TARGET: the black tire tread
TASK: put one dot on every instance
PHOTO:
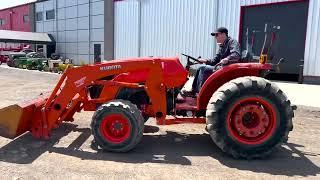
(118, 106)
(219, 101)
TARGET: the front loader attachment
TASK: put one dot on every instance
(17, 119)
(71, 94)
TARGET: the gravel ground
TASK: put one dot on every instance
(166, 152)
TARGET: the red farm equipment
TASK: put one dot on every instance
(246, 115)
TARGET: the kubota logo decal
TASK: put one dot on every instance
(80, 82)
(108, 68)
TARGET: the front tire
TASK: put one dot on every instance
(248, 117)
(117, 126)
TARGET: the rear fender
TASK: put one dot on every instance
(225, 75)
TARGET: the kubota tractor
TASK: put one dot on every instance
(245, 114)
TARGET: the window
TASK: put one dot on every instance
(39, 48)
(50, 14)
(2, 22)
(26, 18)
(39, 16)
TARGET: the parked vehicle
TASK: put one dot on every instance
(3, 59)
(14, 58)
(33, 60)
(27, 51)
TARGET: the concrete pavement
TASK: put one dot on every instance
(301, 94)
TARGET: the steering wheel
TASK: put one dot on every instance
(190, 63)
(196, 61)
(193, 58)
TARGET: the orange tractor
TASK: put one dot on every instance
(245, 114)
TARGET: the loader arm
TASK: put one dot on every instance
(71, 94)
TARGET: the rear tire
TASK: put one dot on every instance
(117, 126)
(248, 117)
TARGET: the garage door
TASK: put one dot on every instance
(290, 19)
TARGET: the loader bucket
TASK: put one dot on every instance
(17, 119)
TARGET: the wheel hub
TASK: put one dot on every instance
(115, 128)
(251, 120)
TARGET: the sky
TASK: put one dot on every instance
(10, 3)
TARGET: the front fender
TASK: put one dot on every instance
(225, 75)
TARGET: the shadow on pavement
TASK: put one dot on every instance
(172, 148)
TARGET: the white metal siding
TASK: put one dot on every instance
(83, 48)
(61, 3)
(312, 52)
(97, 21)
(71, 2)
(180, 26)
(83, 23)
(83, 10)
(229, 16)
(61, 13)
(83, 1)
(48, 26)
(61, 25)
(83, 35)
(39, 26)
(48, 5)
(61, 38)
(126, 29)
(71, 12)
(97, 8)
(71, 36)
(168, 28)
(71, 24)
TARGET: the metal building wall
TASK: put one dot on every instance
(16, 22)
(168, 27)
(126, 29)
(78, 25)
(13, 18)
(229, 13)
(312, 52)
(229, 16)
(48, 26)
